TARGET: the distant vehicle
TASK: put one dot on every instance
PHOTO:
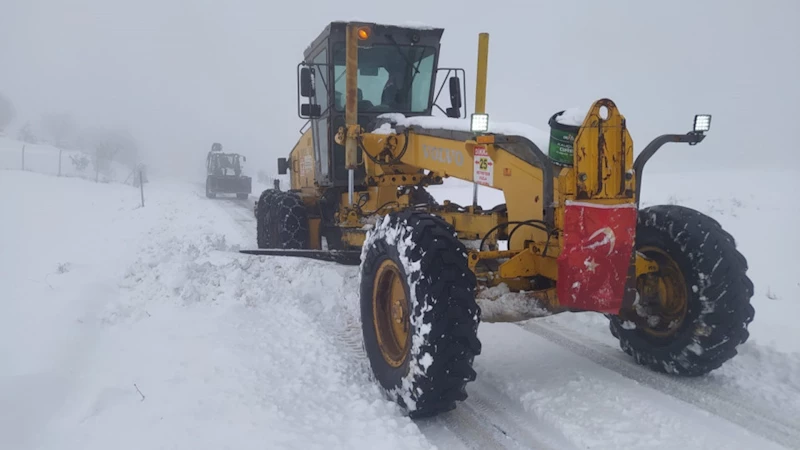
(224, 174)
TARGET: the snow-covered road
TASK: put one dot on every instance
(480, 424)
(127, 327)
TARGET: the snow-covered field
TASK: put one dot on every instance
(43, 158)
(129, 327)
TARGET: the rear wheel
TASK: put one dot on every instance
(690, 316)
(418, 311)
(286, 222)
(242, 196)
(209, 194)
(262, 208)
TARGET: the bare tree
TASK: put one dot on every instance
(108, 146)
(104, 152)
(27, 134)
(59, 128)
(127, 148)
(7, 112)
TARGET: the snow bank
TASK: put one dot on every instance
(499, 304)
(144, 328)
(64, 242)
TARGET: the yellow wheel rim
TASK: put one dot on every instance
(664, 298)
(390, 314)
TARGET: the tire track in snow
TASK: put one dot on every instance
(521, 428)
(241, 211)
(466, 428)
(487, 419)
(752, 418)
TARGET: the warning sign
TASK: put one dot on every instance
(306, 166)
(483, 170)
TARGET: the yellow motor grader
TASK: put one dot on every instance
(569, 237)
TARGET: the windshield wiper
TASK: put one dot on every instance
(405, 57)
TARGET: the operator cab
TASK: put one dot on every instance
(397, 73)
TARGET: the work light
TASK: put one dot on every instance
(702, 123)
(480, 123)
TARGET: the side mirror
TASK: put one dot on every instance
(455, 98)
(306, 87)
(308, 110)
(283, 166)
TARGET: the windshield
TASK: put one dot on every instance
(390, 78)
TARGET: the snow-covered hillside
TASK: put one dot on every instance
(43, 158)
(129, 327)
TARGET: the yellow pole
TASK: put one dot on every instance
(480, 92)
(480, 79)
(351, 106)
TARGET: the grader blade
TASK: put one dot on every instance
(346, 257)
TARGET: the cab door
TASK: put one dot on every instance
(319, 125)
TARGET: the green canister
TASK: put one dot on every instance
(562, 138)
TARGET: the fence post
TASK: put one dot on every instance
(23, 156)
(141, 186)
(59, 162)
(277, 183)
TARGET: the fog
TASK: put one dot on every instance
(181, 75)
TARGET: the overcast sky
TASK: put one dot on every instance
(183, 74)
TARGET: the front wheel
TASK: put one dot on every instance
(418, 312)
(690, 316)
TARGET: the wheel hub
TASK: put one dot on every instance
(398, 313)
(390, 314)
(662, 303)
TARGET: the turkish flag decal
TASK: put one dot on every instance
(593, 266)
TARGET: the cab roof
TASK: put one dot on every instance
(403, 34)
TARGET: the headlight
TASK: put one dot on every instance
(480, 123)
(702, 123)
